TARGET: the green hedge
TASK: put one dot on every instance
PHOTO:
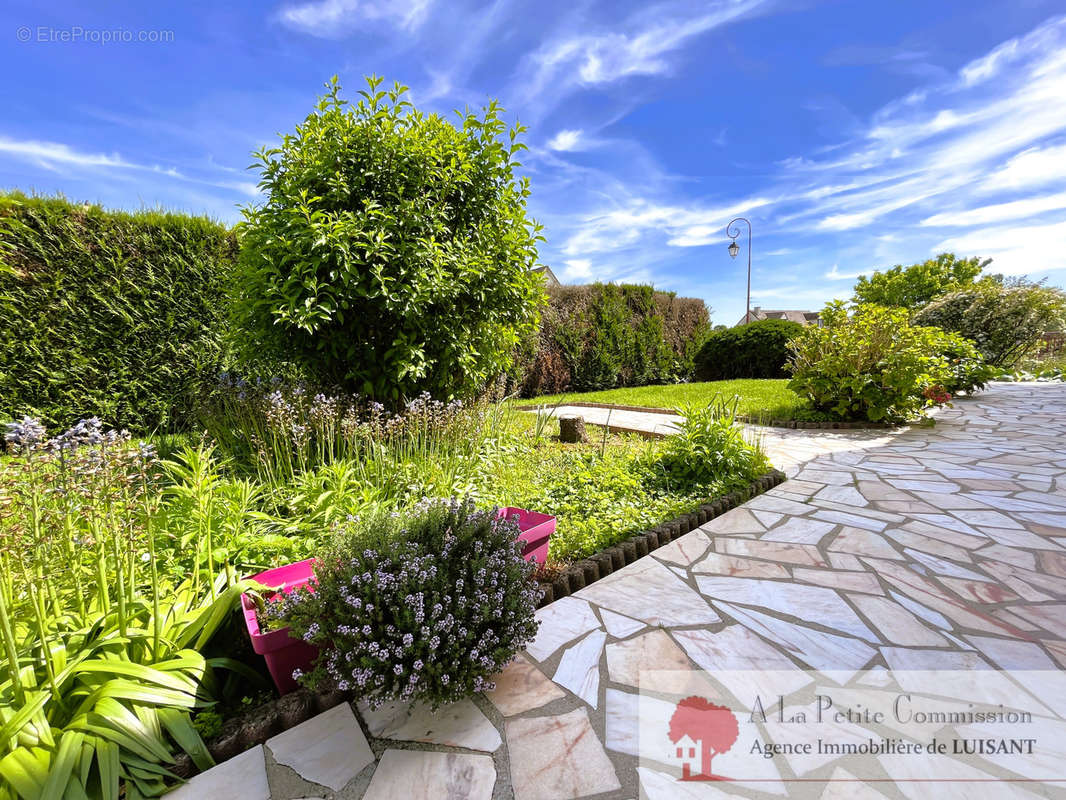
(601, 336)
(112, 314)
(756, 350)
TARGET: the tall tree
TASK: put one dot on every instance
(914, 286)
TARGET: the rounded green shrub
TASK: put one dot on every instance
(755, 350)
(393, 253)
(1005, 320)
(875, 365)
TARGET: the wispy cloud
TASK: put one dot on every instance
(52, 154)
(674, 225)
(836, 275)
(947, 142)
(568, 140)
(999, 212)
(639, 45)
(335, 18)
(1017, 250)
(940, 168)
(59, 157)
(1030, 168)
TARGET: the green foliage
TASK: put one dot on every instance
(427, 605)
(393, 253)
(914, 286)
(605, 335)
(102, 636)
(967, 370)
(874, 365)
(708, 449)
(109, 314)
(1006, 321)
(208, 724)
(325, 457)
(606, 492)
(756, 350)
(599, 499)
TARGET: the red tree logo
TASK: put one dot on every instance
(699, 723)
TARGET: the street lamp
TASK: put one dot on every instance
(732, 231)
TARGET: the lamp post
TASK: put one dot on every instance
(732, 231)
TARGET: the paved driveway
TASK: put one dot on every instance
(930, 548)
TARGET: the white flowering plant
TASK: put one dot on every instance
(427, 605)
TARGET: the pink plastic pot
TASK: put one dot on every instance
(535, 531)
(283, 653)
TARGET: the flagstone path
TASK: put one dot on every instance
(937, 547)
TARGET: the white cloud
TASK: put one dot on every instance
(577, 269)
(619, 228)
(942, 143)
(567, 141)
(995, 62)
(56, 155)
(1018, 250)
(1036, 166)
(334, 18)
(999, 212)
(641, 45)
(836, 275)
(795, 296)
(49, 154)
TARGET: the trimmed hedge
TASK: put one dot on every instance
(755, 350)
(109, 314)
(602, 336)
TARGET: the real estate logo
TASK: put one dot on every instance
(700, 726)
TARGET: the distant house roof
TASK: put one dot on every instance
(550, 281)
(795, 315)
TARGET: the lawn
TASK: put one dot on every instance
(761, 399)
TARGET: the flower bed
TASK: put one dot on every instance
(581, 573)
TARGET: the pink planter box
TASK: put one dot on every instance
(283, 653)
(535, 531)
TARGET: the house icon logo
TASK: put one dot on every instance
(700, 730)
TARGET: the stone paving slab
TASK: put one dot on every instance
(938, 548)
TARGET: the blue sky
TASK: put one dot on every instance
(854, 135)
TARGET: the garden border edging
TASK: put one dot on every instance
(599, 565)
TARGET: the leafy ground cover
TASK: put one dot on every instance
(308, 461)
(761, 399)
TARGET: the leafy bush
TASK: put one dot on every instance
(708, 449)
(914, 286)
(428, 606)
(873, 364)
(109, 314)
(968, 371)
(393, 253)
(756, 350)
(102, 646)
(1006, 321)
(605, 335)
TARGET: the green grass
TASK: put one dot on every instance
(765, 399)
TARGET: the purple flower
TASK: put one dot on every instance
(24, 434)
